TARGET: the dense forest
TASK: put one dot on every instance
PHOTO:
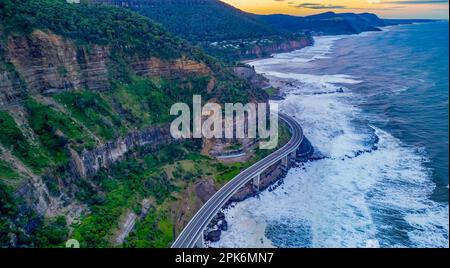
(200, 20)
(220, 29)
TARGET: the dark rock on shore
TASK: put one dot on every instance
(271, 179)
(213, 236)
(215, 221)
(223, 225)
(215, 227)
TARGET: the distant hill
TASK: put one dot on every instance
(200, 20)
(232, 34)
(220, 29)
(330, 23)
(325, 23)
(214, 20)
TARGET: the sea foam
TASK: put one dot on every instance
(370, 190)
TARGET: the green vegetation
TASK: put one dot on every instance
(55, 130)
(93, 111)
(155, 231)
(26, 226)
(62, 71)
(12, 138)
(147, 102)
(124, 186)
(144, 102)
(220, 29)
(89, 23)
(52, 233)
(131, 103)
(40, 233)
(327, 23)
(157, 175)
(126, 33)
(7, 172)
(141, 103)
(271, 91)
(118, 68)
(234, 146)
(250, 48)
(204, 20)
(227, 172)
(8, 209)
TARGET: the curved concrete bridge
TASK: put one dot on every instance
(192, 235)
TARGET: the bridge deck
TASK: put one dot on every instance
(188, 237)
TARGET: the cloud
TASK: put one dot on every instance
(320, 6)
(412, 2)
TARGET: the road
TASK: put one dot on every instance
(189, 236)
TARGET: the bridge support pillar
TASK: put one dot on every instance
(284, 163)
(256, 180)
(200, 243)
(293, 156)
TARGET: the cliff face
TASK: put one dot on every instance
(11, 89)
(42, 64)
(258, 48)
(45, 63)
(174, 68)
(260, 51)
(89, 162)
(49, 63)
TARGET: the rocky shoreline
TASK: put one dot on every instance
(270, 179)
(270, 182)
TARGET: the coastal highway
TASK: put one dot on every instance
(194, 229)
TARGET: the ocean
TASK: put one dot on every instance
(375, 106)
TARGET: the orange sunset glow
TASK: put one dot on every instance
(385, 8)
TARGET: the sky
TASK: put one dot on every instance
(418, 9)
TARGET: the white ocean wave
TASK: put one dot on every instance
(377, 198)
(323, 46)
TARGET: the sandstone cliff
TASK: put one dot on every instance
(89, 162)
(49, 63)
(258, 48)
(43, 64)
(260, 51)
